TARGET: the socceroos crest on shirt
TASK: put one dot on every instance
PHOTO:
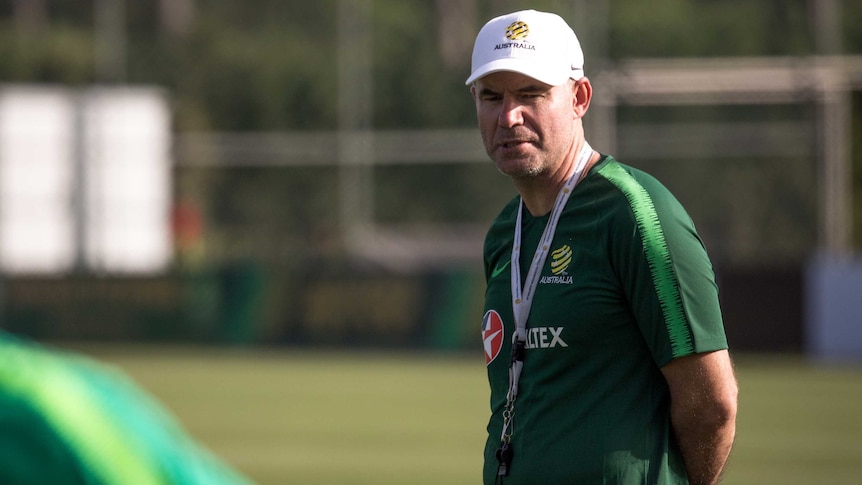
(561, 258)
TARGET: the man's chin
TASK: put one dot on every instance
(516, 167)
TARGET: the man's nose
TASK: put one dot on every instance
(511, 113)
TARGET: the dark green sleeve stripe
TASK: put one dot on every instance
(57, 393)
(657, 256)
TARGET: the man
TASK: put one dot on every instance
(606, 353)
(66, 419)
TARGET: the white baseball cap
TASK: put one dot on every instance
(537, 44)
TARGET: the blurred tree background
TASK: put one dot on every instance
(262, 65)
(255, 65)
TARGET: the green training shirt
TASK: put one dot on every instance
(626, 288)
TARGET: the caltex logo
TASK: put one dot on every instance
(492, 335)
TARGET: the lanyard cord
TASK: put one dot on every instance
(522, 299)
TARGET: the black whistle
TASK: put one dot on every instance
(504, 456)
(518, 351)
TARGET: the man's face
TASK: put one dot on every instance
(528, 127)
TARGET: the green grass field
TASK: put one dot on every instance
(316, 418)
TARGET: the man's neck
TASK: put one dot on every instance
(540, 193)
(539, 196)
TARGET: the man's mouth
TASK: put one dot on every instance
(513, 143)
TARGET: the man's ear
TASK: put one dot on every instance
(581, 97)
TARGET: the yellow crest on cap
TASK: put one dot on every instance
(517, 31)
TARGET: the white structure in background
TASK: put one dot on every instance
(85, 180)
(37, 136)
(127, 171)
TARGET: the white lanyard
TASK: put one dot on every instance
(522, 299)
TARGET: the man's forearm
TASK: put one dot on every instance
(705, 446)
(703, 412)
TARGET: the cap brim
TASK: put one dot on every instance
(526, 68)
